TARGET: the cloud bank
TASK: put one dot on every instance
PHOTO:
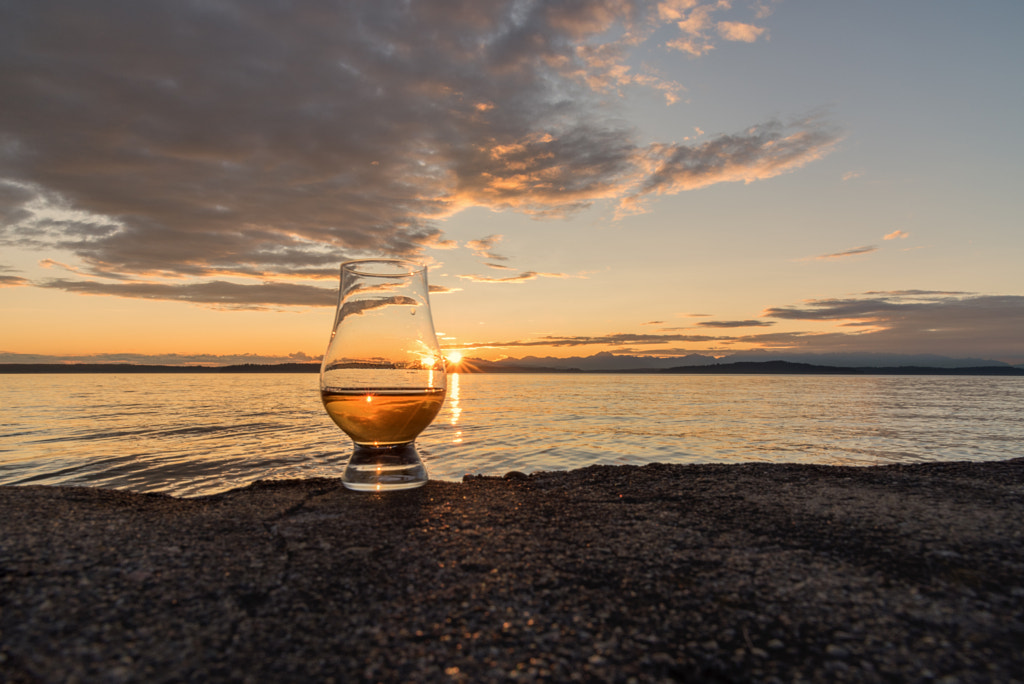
(955, 324)
(254, 139)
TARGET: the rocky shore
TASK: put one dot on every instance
(617, 574)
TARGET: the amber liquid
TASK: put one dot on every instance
(381, 418)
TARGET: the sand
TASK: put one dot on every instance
(655, 573)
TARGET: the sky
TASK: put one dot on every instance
(180, 179)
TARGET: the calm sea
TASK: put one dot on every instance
(199, 434)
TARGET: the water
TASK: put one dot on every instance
(199, 434)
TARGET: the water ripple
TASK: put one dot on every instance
(191, 435)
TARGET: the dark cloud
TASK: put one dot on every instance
(910, 321)
(218, 292)
(12, 281)
(162, 359)
(259, 138)
(914, 293)
(734, 324)
(903, 322)
(615, 339)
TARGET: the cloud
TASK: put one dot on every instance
(254, 138)
(737, 31)
(521, 278)
(162, 359)
(897, 235)
(441, 289)
(219, 293)
(878, 307)
(762, 152)
(12, 281)
(848, 253)
(483, 248)
(696, 26)
(954, 324)
(615, 339)
(694, 22)
(734, 324)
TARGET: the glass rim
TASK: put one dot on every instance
(402, 267)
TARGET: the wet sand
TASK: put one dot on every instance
(655, 573)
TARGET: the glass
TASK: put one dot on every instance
(382, 379)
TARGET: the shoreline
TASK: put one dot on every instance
(744, 572)
(734, 368)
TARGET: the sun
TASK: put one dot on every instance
(454, 356)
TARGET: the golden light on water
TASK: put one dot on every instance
(456, 410)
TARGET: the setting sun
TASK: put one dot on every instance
(454, 356)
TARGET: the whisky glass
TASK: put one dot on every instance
(382, 379)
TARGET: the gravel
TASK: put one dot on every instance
(760, 572)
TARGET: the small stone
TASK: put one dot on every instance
(836, 651)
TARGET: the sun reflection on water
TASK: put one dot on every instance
(456, 410)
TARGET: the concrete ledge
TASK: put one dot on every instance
(704, 573)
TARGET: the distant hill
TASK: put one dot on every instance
(607, 361)
(139, 368)
(602, 364)
(790, 368)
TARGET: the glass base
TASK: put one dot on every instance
(384, 468)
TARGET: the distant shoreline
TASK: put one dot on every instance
(737, 368)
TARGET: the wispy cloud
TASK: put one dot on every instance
(761, 152)
(285, 139)
(753, 323)
(12, 281)
(521, 278)
(897, 235)
(162, 359)
(615, 339)
(484, 248)
(868, 249)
